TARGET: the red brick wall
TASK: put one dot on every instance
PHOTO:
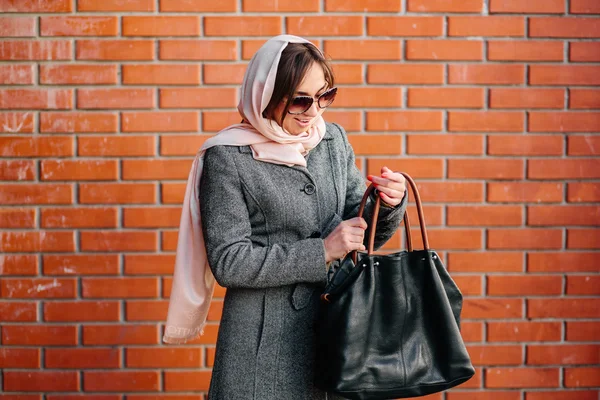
(492, 105)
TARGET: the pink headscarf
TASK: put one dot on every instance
(193, 281)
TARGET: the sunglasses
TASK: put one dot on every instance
(301, 104)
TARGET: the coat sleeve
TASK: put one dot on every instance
(389, 218)
(237, 262)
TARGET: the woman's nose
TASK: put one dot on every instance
(313, 110)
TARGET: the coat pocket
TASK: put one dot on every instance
(301, 295)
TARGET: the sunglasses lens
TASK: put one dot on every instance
(300, 104)
(327, 98)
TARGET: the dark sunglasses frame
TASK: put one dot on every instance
(332, 91)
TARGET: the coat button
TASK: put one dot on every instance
(309, 188)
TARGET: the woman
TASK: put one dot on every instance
(278, 197)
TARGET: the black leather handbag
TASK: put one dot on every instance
(388, 325)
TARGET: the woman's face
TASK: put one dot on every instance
(313, 85)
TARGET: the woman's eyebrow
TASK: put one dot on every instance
(307, 94)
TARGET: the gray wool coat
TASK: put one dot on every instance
(264, 226)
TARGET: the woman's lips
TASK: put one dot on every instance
(303, 122)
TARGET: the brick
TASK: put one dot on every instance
(79, 264)
(163, 74)
(116, 98)
(174, 121)
(169, 241)
(357, 50)
(79, 218)
(36, 194)
(376, 144)
(563, 308)
(79, 26)
(495, 355)
(417, 168)
(369, 97)
(82, 358)
(404, 121)
(584, 98)
(214, 121)
(242, 26)
(523, 285)
(38, 288)
(521, 145)
(114, 50)
(517, 331)
(450, 239)
(147, 357)
(529, 7)
(561, 395)
(146, 310)
(444, 144)
(109, 335)
(526, 98)
(181, 144)
(563, 215)
(338, 25)
(39, 335)
(156, 169)
(567, 121)
(36, 98)
(17, 170)
(149, 264)
(513, 239)
(105, 146)
(37, 241)
(47, 6)
(492, 308)
(17, 218)
(361, 6)
(118, 241)
(578, 192)
(121, 381)
(223, 74)
(569, 27)
(480, 262)
(78, 122)
(18, 312)
(486, 74)
(83, 397)
(530, 50)
(115, 5)
(193, 6)
(471, 331)
(188, 25)
(469, 285)
(488, 395)
(486, 121)
(17, 27)
(469, 192)
(119, 287)
(79, 170)
(583, 285)
(584, 51)
(405, 73)
(580, 168)
(459, 50)
(486, 26)
(484, 215)
(488, 168)
(172, 193)
(79, 74)
(166, 397)
(16, 122)
(445, 6)
(19, 265)
(564, 75)
(584, 7)
(583, 238)
(198, 98)
(265, 6)
(348, 73)
(583, 331)
(199, 50)
(39, 146)
(16, 74)
(187, 381)
(526, 192)
(405, 26)
(563, 355)
(562, 262)
(27, 50)
(251, 46)
(46, 381)
(19, 358)
(80, 311)
(582, 377)
(446, 97)
(522, 377)
(117, 193)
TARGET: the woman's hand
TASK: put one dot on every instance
(346, 237)
(390, 185)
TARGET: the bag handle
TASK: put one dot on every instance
(373, 225)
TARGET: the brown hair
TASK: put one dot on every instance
(295, 61)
